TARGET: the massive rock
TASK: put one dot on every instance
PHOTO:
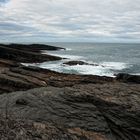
(25, 56)
(128, 78)
(68, 106)
(22, 78)
(90, 112)
(32, 47)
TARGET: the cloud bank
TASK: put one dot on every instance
(69, 20)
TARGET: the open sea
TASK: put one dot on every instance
(111, 58)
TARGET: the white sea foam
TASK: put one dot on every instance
(89, 69)
(115, 65)
(103, 69)
(68, 56)
(68, 49)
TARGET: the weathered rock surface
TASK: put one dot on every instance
(91, 111)
(16, 129)
(23, 78)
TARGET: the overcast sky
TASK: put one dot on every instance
(70, 20)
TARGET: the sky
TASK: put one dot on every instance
(70, 20)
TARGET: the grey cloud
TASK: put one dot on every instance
(71, 19)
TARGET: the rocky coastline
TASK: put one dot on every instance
(42, 104)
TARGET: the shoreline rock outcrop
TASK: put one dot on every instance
(24, 55)
(128, 78)
(94, 111)
(73, 63)
(32, 47)
(42, 104)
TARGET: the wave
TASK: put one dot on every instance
(135, 73)
(68, 49)
(115, 65)
(102, 69)
(90, 70)
(72, 57)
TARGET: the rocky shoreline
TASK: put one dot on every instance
(51, 105)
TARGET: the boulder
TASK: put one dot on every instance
(128, 78)
(73, 63)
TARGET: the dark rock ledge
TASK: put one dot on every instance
(25, 54)
(73, 63)
(64, 106)
(32, 47)
(90, 112)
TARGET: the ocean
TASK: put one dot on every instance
(110, 58)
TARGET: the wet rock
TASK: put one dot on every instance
(21, 102)
(73, 63)
(128, 78)
(22, 78)
(25, 56)
(69, 106)
(32, 47)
